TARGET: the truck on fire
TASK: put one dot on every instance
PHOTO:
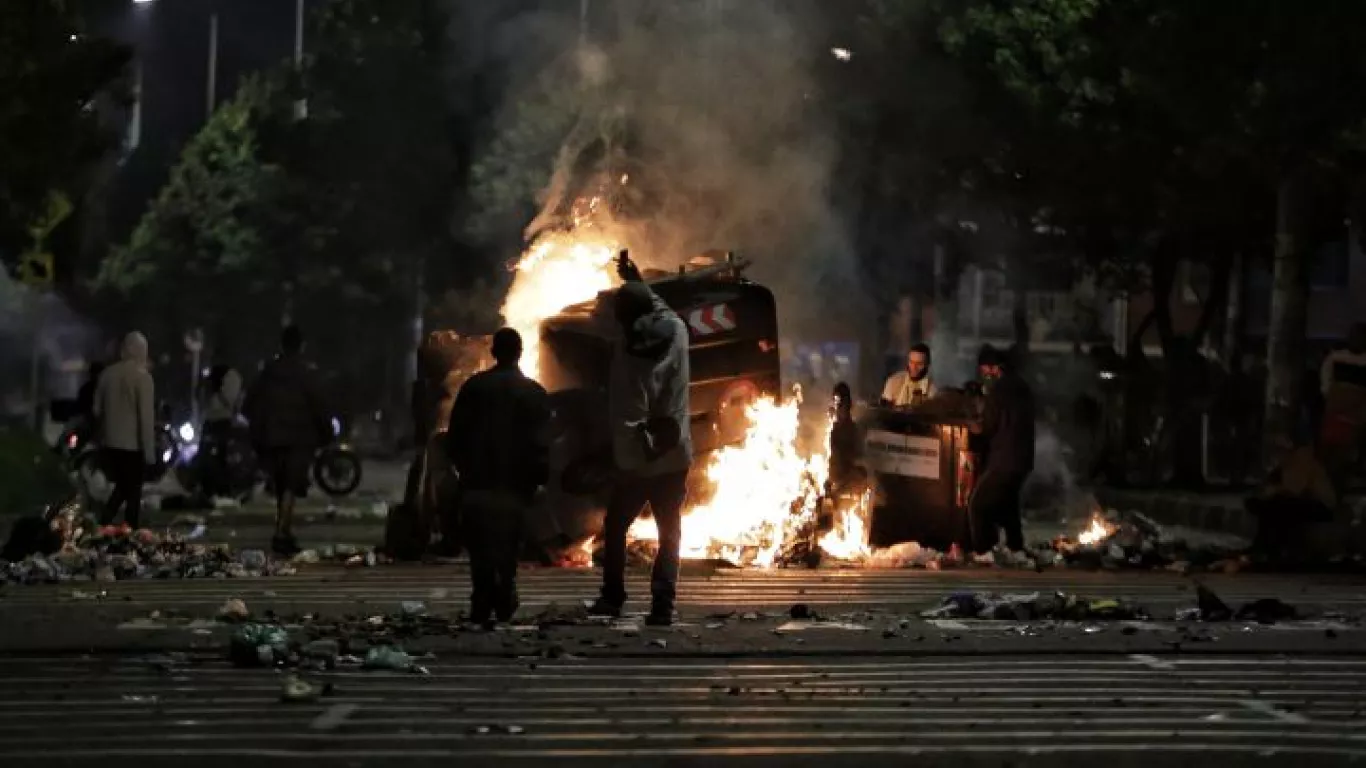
(733, 357)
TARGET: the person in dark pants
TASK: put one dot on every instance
(498, 443)
(1007, 431)
(123, 406)
(289, 422)
(651, 443)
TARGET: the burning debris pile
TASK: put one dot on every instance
(1131, 540)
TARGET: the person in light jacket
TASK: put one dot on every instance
(651, 443)
(124, 410)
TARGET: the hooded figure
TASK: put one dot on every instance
(124, 410)
(651, 441)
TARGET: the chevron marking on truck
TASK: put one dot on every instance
(708, 320)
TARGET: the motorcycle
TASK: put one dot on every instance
(336, 468)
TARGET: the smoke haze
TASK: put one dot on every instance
(710, 113)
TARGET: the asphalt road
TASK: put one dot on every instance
(830, 711)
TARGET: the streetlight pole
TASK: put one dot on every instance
(300, 106)
(212, 85)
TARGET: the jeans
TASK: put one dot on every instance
(665, 494)
(995, 503)
(493, 534)
(127, 471)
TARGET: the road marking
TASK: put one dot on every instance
(1272, 711)
(1152, 662)
(333, 717)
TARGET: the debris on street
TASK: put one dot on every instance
(1033, 606)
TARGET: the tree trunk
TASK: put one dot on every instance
(1289, 316)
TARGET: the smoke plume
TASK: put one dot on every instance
(699, 124)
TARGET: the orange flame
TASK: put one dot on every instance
(763, 491)
(1097, 531)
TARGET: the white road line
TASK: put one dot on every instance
(333, 717)
(1270, 710)
(1152, 662)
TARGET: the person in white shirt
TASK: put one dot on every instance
(912, 385)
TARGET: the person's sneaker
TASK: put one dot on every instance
(285, 546)
(603, 608)
(659, 617)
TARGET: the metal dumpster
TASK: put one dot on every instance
(923, 471)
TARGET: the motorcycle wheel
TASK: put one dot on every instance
(337, 471)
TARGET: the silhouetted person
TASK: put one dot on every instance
(652, 445)
(222, 403)
(846, 444)
(288, 423)
(124, 408)
(1007, 431)
(498, 442)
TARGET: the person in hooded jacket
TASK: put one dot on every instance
(499, 443)
(124, 409)
(651, 443)
(289, 422)
(1007, 442)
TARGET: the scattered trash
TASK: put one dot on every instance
(296, 690)
(750, 617)
(255, 645)
(1031, 607)
(659, 643)
(413, 607)
(234, 610)
(801, 626)
(389, 657)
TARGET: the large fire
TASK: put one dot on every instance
(560, 269)
(765, 491)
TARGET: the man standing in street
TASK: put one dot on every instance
(912, 384)
(651, 443)
(498, 442)
(288, 423)
(124, 409)
(1007, 438)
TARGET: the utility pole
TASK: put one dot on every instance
(212, 86)
(583, 24)
(300, 106)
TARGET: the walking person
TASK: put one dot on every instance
(498, 442)
(123, 405)
(289, 423)
(1007, 442)
(223, 400)
(651, 443)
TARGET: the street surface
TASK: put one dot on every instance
(955, 710)
(135, 672)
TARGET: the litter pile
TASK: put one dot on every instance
(1133, 540)
(1034, 606)
(68, 545)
